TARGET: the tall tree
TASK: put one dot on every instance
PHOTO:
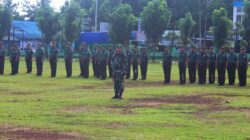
(221, 27)
(186, 26)
(72, 18)
(155, 18)
(30, 10)
(5, 21)
(122, 21)
(246, 22)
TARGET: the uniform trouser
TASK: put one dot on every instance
(242, 74)
(182, 73)
(202, 72)
(110, 69)
(135, 71)
(39, 66)
(118, 83)
(103, 70)
(211, 70)
(94, 65)
(1, 65)
(167, 72)
(85, 69)
(221, 74)
(68, 66)
(192, 72)
(81, 67)
(144, 68)
(13, 67)
(231, 70)
(128, 71)
(29, 64)
(17, 66)
(53, 66)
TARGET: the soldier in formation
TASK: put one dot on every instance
(2, 58)
(28, 58)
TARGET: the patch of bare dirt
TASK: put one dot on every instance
(75, 109)
(115, 125)
(17, 133)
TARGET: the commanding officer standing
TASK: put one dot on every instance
(53, 59)
(192, 63)
(182, 66)
(202, 66)
(110, 56)
(14, 58)
(221, 66)
(39, 60)
(85, 61)
(231, 66)
(144, 63)
(128, 61)
(242, 67)
(119, 70)
(68, 58)
(28, 58)
(2, 58)
(211, 65)
(167, 64)
(103, 61)
(135, 62)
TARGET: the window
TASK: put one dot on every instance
(239, 9)
(238, 18)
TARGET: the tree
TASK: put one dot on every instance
(30, 10)
(186, 26)
(72, 18)
(122, 21)
(155, 18)
(246, 22)
(221, 27)
(5, 21)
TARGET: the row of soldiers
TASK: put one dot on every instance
(202, 61)
(100, 57)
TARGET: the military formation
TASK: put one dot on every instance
(119, 63)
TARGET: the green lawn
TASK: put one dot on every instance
(149, 110)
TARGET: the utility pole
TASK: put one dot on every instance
(200, 23)
(96, 14)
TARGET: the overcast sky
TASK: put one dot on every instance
(56, 4)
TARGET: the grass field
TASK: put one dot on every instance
(74, 108)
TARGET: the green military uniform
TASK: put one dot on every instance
(53, 60)
(167, 64)
(144, 64)
(28, 59)
(202, 67)
(2, 59)
(95, 62)
(231, 67)
(68, 58)
(135, 62)
(128, 61)
(85, 60)
(211, 67)
(242, 68)
(221, 66)
(182, 67)
(119, 71)
(39, 60)
(102, 62)
(192, 60)
(110, 57)
(14, 59)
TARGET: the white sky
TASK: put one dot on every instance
(56, 4)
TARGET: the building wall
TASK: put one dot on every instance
(238, 11)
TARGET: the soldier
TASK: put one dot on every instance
(211, 65)
(128, 61)
(119, 70)
(110, 56)
(68, 58)
(14, 58)
(39, 60)
(81, 59)
(182, 63)
(2, 58)
(242, 67)
(192, 63)
(85, 61)
(94, 60)
(53, 58)
(135, 62)
(231, 66)
(202, 66)
(28, 58)
(221, 66)
(143, 63)
(18, 58)
(167, 64)
(102, 62)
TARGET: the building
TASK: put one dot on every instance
(238, 11)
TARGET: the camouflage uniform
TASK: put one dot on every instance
(2, 59)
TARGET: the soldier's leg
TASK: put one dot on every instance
(133, 67)
(136, 72)
(146, 70)
(121, 89)
(30, 65)
(37, 68)
(184, 74)
(229, 72)
(1, 66)
(180, 73)
(81, 67)
(223, 75)
(165, 73)
(190, 72)
(17, 66)
(233, 73)
(169, 73)
(244, 75)
(240, 74)
(142, 71)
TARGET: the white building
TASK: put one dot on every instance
(238, 11)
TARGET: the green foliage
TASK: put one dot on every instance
(155, 18)
(246, 22)
(122, 21)
(5, 20)
(221, 27)
(186, 28)
(72, 18)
